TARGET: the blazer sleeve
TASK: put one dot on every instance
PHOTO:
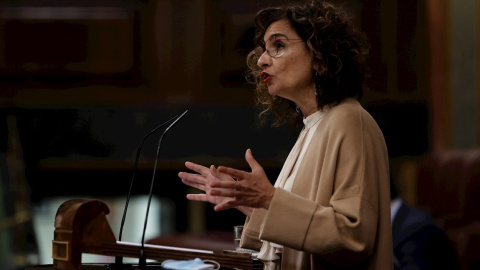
(251, 231)
(343, 233)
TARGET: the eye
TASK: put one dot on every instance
(279, 46)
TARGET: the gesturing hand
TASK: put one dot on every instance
(252, 189)
(203, 180)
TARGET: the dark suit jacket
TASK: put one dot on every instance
(419, 243)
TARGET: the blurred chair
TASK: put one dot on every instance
(448, 186)
(418, 241)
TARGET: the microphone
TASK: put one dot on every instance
(142, 261)
(119, 259)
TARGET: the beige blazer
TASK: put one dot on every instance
(337, 215)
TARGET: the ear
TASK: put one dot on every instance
(320, 68)
(321, 71)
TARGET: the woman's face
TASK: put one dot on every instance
(286, 65)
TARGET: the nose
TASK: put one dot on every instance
(264, 60)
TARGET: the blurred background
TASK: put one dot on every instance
(82, 82)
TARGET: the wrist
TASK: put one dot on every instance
(269, 198)
(246, 210)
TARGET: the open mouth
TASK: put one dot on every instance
(265, 76)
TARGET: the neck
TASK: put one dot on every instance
(308, 107)
(307, 112)
(308, 104)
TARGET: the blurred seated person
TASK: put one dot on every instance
(418, 242)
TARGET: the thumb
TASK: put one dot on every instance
(214, 171)
(251, 160)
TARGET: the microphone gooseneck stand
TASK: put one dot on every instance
(142, 263)
(119, 259)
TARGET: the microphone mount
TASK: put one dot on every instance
(143, 259)
(118, 259)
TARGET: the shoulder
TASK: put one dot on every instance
(347, 106)
(349, 115)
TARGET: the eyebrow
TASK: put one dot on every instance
(277, 34)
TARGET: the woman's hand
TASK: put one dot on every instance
(203, 180)
(252, 189)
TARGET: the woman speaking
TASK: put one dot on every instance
(330, 205)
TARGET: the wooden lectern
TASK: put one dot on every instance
(81, 227)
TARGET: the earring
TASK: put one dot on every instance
(318, 90)
(298, 109)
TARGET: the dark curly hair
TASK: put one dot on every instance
(336, 46)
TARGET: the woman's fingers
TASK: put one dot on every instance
(224, 192)
(214, 171)
(197, 197)
(238, 174)
(225, 184)
(194, 184)
(225, 206)
(221, 188)
(220, 175)
(196, 178)
(197, 168)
